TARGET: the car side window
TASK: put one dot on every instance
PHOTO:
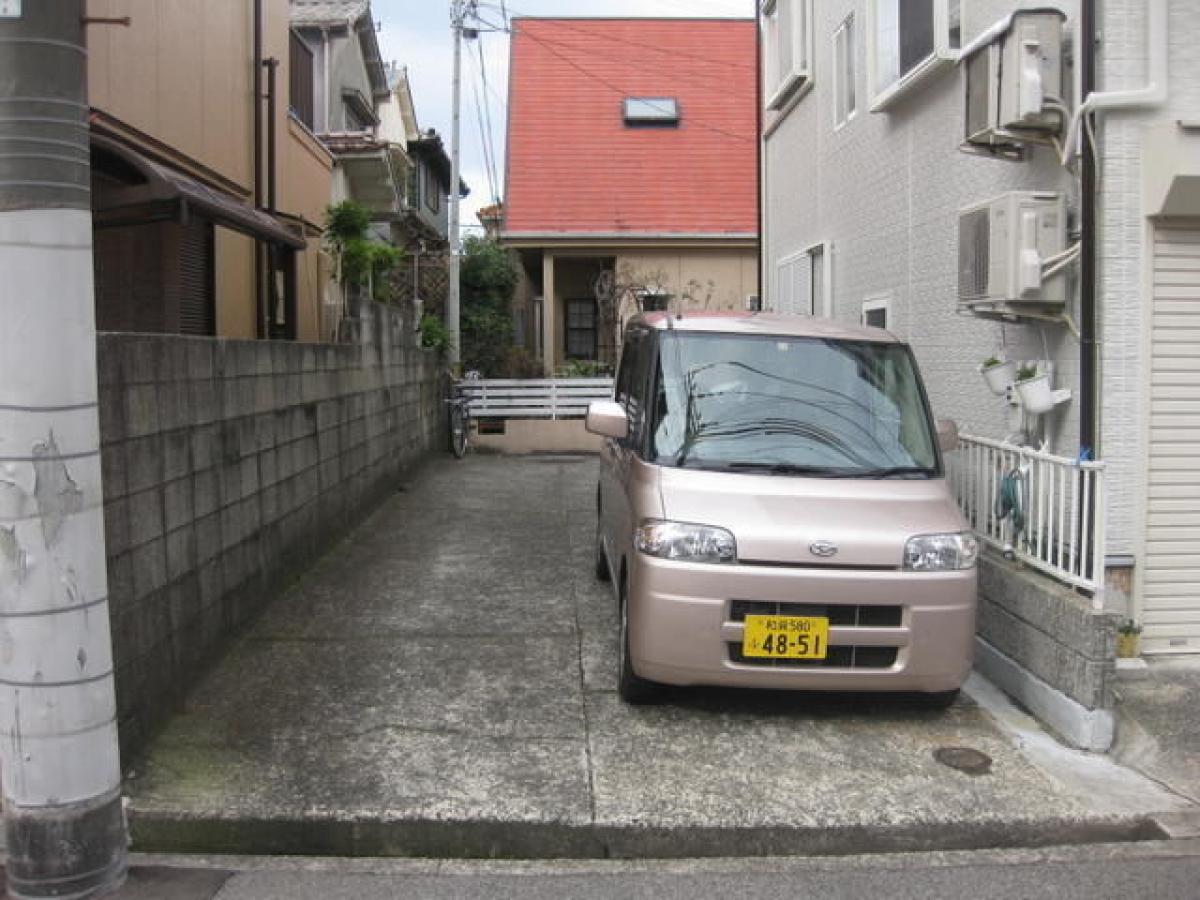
(641, 398)
(630, 392)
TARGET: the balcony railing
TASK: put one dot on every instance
(1047, 511)
(535, 398)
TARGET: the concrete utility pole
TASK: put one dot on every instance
(58, 735)
(457, 11)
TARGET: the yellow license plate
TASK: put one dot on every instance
(786, 637)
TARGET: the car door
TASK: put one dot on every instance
(615, 455)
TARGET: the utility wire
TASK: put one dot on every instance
(666, 51)
(487, 160)
(491, 131)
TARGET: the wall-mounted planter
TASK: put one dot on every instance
(1037, 397)
(999, 376)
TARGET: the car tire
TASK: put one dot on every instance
(631, 687)
(938, 699)
(601, 562)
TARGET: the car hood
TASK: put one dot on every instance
(779, 519)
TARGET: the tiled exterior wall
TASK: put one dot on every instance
(885, 190)
(1124, 246)
(228, 467)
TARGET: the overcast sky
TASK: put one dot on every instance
(416, 33)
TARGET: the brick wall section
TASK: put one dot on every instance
(228, 466)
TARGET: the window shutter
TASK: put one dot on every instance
(197, 306)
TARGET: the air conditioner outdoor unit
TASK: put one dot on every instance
(1003, 244)
(1015, 84)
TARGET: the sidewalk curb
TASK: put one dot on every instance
(491, 839)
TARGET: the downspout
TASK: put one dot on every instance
(272, 65)
(1087, 240)
(1153, 94)
(259, 297)
(327, 78)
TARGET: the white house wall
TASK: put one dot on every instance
(1124, 243)
(884, 191)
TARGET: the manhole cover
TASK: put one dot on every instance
(964, 759)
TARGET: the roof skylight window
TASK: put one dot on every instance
(651, 111)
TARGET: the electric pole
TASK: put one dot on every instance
(457, 11)
(61, 775)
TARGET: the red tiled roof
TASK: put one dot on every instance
(573, 164)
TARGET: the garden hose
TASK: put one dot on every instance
(1010, 500)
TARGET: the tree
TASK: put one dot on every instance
(488, 278)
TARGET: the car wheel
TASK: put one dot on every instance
(938, 699)
(602, 573)
(630, 687)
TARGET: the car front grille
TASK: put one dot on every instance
(845, 656)
(840, 657)
(860, 616)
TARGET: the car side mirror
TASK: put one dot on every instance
(947, 434)
(607, 418)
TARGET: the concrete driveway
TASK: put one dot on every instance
(443, 684)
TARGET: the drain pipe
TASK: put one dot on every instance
(1087, 245)
(259, 297)
(1153, 94)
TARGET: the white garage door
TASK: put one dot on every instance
(1171, 586)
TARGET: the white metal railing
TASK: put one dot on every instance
(530, 398)
(1060, 500)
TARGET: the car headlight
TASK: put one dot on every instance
(941, 552)
(682, 541)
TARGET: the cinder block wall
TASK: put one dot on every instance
(1049, 630)
(228, 466)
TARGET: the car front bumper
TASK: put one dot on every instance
(685, 628)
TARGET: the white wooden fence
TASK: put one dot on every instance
(543, 398)
(1060, 500)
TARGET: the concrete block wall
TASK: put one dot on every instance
(1049, 630)
(228, 467)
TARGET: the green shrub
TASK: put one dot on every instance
(434, 334)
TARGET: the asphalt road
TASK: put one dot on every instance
(1162, 870)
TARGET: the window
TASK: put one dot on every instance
(908, 39)
(802, 283)
(651, 111)
(787, 56)
(581, 329)
(654, 300)
(433, 192)
(875, 310)
(845, 78)
(300, 80)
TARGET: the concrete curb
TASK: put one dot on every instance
(491, 839)
(1087, 729)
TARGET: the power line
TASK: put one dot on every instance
(491, 131)
(680, 54)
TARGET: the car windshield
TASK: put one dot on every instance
(791, 405)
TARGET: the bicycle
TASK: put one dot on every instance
(460, 416)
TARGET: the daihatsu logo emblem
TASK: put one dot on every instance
(824, 549)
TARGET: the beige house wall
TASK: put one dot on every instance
(181, 75)
(716, 279)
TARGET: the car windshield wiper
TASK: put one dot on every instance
(783, 469)
(893, 472)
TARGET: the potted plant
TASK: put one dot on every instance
(1033, 387)
(998, 373)
(1127, 639)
